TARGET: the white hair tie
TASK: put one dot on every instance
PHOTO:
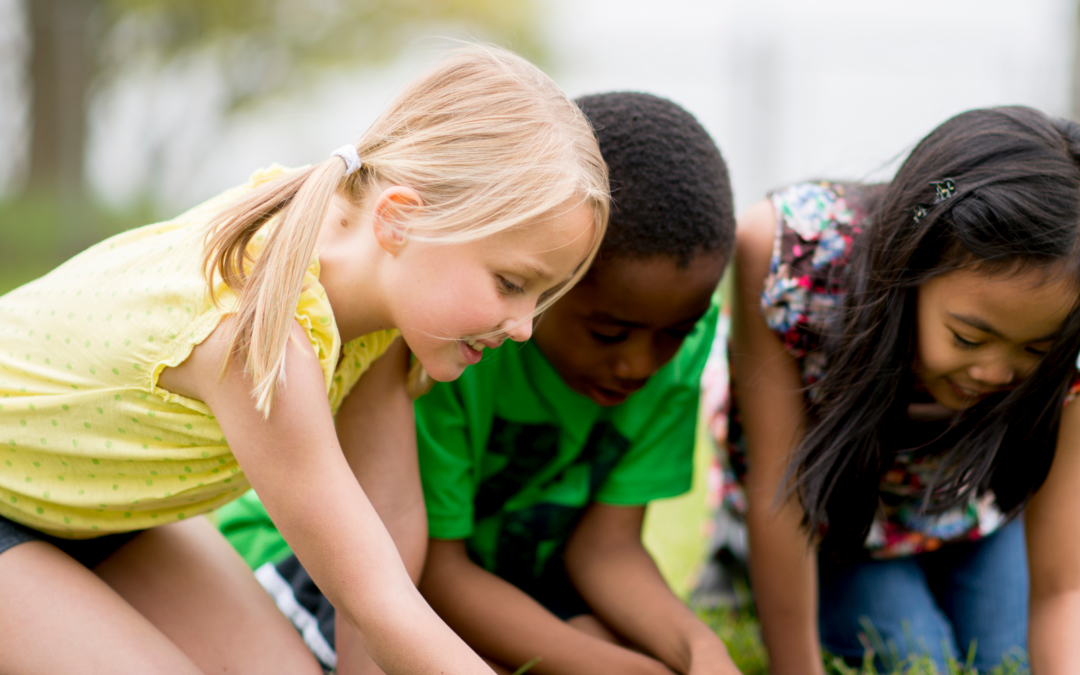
(351, 157)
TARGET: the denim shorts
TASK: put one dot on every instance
(88, 552)
(937, 603)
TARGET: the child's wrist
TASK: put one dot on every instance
(706, 647)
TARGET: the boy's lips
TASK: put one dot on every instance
(609, 396)
(606, 396)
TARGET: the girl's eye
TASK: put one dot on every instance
(1036, 352)
(606, 339)
(510, 287)
(965, 344)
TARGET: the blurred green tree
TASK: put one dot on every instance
(261, 48)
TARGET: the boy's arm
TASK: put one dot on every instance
(507, 626)
(613, 572)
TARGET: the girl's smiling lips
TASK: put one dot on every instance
(966, 393)
(474, 352)
(471, 355)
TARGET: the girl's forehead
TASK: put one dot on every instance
(1020, 306)
(568, 233)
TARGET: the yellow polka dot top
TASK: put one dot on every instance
(89, 443)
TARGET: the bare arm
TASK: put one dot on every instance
(295, 463)
(1052, 522)
(377, 432)
(614, 573)
(782, 564)
(506, 625)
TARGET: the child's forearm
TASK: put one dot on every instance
(1052, 629)
(377, 431)
(784, 573)
(507, 626)
(295, 463)
(354, 561)
(615, 574)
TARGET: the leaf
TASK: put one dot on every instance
(527, 666)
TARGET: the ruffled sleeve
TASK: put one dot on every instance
(813, 239)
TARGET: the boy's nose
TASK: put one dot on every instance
(635, 364)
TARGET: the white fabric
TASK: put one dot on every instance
(282, 593)
(351, 157)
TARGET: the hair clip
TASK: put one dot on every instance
(920, 212)
(944, 188)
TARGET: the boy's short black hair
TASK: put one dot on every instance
(670, 191)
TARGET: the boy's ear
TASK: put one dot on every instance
(390, 217)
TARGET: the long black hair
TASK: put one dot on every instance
(1016, 207)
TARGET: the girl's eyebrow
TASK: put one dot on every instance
(531, 268)
(980, 324)
(608, 318)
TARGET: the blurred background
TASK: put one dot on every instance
(114, 113)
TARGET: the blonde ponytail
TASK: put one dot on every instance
(269, 293)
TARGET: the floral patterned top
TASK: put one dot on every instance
(816, 225)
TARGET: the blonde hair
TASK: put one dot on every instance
(485, 138)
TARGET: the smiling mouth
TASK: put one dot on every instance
(471, 350)
(607, 396)
(967, 393)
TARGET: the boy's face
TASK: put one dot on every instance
(624, 321)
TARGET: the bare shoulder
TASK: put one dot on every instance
(754, 237)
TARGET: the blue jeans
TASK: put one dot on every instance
(945, 599)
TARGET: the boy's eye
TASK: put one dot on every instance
(510, 287)
(678, 333)
(608, 338)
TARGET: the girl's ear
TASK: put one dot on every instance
(390, 217)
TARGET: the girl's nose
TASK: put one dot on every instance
(997, 373)
(519, 330)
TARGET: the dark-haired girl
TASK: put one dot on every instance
(904, 357)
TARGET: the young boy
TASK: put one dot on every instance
(537, 464)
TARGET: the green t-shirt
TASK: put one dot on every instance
(510, 456)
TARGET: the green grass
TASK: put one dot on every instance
(742, 635)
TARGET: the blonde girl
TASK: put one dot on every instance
(159, 374)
